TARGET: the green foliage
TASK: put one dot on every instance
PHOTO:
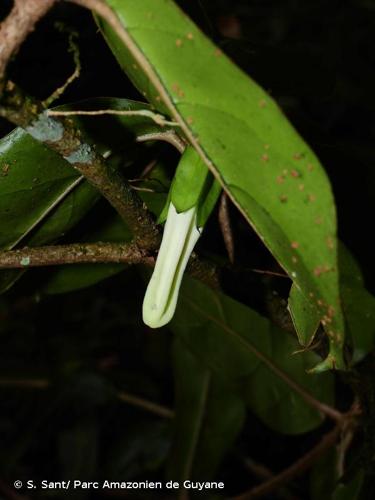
(213, 100)
(358, 305)
(305, 318)
(200, 438)
(245, 348)
(225, 360)
(350, 490)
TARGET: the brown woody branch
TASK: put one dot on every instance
(15, 28)
(96, 253)
(63, 136)
(22, 258)
(346, 426)
(296, 469)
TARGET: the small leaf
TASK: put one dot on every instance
(350, 490)
(201, 438)
(304, 316)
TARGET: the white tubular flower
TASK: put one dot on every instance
(179, 238)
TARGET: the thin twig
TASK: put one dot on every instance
(156, 117)
(78, 253)
(170, 136)
(348, 432)
(347, 424)
(19, 23)
(296, 469)
(73, 47)
(126, 397)
(22, 383)
(269, 273)
(146, 405)
(262, 472)
(226, 227)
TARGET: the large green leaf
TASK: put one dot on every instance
(267, 169)
(358, 306)
(201, 438)
(241, 346)
(41, 196)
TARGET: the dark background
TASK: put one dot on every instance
(317, 59)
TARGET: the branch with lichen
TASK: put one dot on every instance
(77, 253)
(98, 253)
(62, 135)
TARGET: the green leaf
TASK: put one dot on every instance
(324, 476)
(41, 196)
(358, 306)
(269, 172)
(78, 450)
(304, 316)
(201, 439)
(142, 448)
(350, 490)
(244, 348)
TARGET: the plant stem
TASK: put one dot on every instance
(126, 397)
(19, 23)
(157, 118)
(63, 136)
(297, 468)
(78, 253)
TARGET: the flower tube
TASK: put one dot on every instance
(191, 199)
